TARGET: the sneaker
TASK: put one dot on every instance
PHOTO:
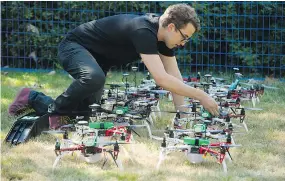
(51, 108)
(20, 104)
(56, 121)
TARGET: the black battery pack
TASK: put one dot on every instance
(27, 126)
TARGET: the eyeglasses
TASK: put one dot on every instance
(185, 39)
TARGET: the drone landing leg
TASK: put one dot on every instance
(150, 120)
(225, 168)
(132, 140)
(253, 99)
(257, 99)
(228, 156)
(153, 115)
(173, 120)
(57, 159)
(191, 124)
(245, 126)
(148, 129)
(117, 162)
(104, 160)
(120, 165)
(158, 109)
(170, 98)
(162, 156)
(232, 140)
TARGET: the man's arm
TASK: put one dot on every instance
(175, 85)
(171, 67)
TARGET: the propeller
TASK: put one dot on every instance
(94, 106)
(186, 105)
(253, 109)
(159, 91)
(137, 126)
(53, 132)
(175, 112)
(194, 84)
(181, 130)
(67, 126)
(238, 74)
(222, 121)
(220, 79)
(244, 99)
(221, 94)
(178, 147)
(113, 85)
(133, 116)
(207, 75)
(223, 131)
(206, 83)
(108, 143)
(270, 87)
(250, 108)
(265, 86)
(244, 83)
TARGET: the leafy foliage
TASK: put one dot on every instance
(234, 34)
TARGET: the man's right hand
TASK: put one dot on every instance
(210, 105)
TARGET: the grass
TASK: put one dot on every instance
(261, 157)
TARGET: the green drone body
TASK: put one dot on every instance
(206, 114)
(200, 128)
(196, 141)
(95, 133)
(121, 110)
(101, 125)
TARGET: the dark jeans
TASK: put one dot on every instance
(39, 102)
(87, 87)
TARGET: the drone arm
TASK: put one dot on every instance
(178, 147)
(205, 150)
(104, 160)
(174, 140)
(79, 147)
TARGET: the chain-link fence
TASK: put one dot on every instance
(247, 35)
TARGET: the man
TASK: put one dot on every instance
(88, 51)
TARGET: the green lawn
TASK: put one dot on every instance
(261, 157)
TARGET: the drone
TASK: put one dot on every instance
(196, 149)
(92, 141)
(122, 116)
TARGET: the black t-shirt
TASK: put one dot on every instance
(121, 38)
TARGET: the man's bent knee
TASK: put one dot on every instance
(95, 79)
